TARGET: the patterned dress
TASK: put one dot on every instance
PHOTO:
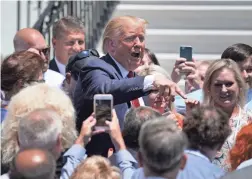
(237, 121)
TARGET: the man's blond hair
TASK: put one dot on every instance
(35, 97)
(115, 28)
(96, 167)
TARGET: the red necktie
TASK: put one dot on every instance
(134, 102)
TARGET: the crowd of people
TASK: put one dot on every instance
(157, 130)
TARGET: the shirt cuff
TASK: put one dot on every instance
(148, 82)
(77, 151)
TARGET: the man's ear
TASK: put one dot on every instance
(68, 77)
(112, 44)
(140, 159)
(183, 162)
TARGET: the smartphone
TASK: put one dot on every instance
(103, 105)
(186, 52)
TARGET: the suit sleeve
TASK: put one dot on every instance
(98, 81)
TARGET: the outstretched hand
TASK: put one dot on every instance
(167, 88)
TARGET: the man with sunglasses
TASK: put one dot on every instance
(32, 40)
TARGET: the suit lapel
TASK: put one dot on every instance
(53, 66)
(122, 107)
(110, 61)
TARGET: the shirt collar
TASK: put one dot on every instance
(197, 153)
(62, 67)
(123, 71)
(142, 175)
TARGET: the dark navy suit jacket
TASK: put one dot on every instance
(102, 76)
(53, 65)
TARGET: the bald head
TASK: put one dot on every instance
(27, 38)
(33, 163)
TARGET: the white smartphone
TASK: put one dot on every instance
(103, 105)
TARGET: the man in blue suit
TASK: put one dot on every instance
(123, 44)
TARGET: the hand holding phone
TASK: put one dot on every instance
(186, 52)
(115, 132)
(103, 105)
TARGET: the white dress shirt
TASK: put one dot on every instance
(61, 67)
(53, 78)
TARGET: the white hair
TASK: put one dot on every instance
(40, 128)
(152, 69)
(169, 142)
(27, 100)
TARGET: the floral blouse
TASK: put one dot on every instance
(239, 120)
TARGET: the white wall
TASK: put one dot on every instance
(8, 26)
(9, 21)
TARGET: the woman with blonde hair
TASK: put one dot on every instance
(96, 167)
(38, 96)
(159, 103)
(224, 88)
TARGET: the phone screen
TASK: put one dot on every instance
(103, 111)
(186, 52)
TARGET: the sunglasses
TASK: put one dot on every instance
(45, 51)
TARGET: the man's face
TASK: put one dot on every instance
(246, 70)
(70, 84)
(43, 50)
(201, 73)
(128, 49)
(67, 45)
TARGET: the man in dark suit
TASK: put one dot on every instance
(123, 43)
(53, 66)
(68, 39)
